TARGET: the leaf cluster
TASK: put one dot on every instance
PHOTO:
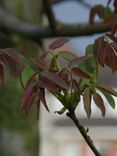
(70, 78)
(67, 76)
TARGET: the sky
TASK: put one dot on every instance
(74, 12)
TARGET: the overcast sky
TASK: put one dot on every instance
(74, 12)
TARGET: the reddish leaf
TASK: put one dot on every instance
(102, 52)
(58, 43)
(114, 45)
(11, 53)
(99, 102)
(78, 72)
(13, 61)
(27, 94)
(41, 64)
(107, 89)
(114, 29)
(96, 10)
(43, 55)
(41, 97)
(56, 79)
(29, 102)
(112, 59)
(87, 101)
(75, 85)
(64, 74)
(44, 82)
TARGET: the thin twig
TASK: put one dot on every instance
(50, 14)
(83, 132)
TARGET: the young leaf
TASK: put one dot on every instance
(58, 43)
(109, 98)
(99, 102)
(11, 53)
(67, 55)
(96, 10)
(78, 72)
(41, 97)
(56, 79)
(87, 101)
(103, 52)
(64, 74)
(44, 82)
(14, 61)
(41, 64)
(107, 89)
(75, 85)
(30, 100)
(28, 96)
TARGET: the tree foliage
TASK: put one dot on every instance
(67, 76)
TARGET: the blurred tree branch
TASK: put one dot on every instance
(49, 13)
(34, 32)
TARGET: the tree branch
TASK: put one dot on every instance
(82, 130)
(50, 15)
(35, 32)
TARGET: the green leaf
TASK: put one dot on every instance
(99, 102)
(90, 65)
(109, 98)
(27, 72)
(67, 55)
(87, 101)
(54, 63)
(108, 13)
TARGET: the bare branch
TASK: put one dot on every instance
(36, 32)
(49, 12)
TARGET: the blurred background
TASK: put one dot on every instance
(23, 135)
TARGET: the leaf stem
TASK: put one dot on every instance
(72, 116)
